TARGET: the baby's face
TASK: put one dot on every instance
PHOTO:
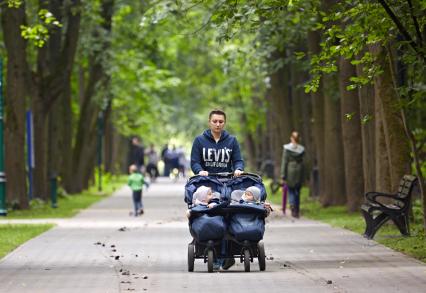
(249, 196)
(209, 195)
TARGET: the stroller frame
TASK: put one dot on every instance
(209, 250)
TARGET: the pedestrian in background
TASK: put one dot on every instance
(292, 171)
(165, 154)
(137, 154)
(152, 166)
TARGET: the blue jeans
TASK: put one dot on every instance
(137, 201)
(294, 196)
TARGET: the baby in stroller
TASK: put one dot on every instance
(250, 195)
(204, 196)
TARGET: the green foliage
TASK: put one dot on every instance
(14, 3)
(14, 235)
(352, 26)
(349, 116)
(166, 65)
(38, 34)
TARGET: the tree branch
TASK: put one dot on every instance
(416, 24)
(402, 29)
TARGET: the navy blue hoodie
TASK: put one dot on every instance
(215, 157)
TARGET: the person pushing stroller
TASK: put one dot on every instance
(216, 151)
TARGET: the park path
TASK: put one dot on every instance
(103, 250)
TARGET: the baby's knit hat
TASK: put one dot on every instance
(255, 191)
(201, 194)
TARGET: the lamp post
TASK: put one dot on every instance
(3, 210)
(100, 135)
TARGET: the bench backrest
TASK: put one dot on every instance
(406, 186)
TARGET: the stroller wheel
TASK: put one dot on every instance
(191, 257)
(247, 260)
(210, 261)
(261, 256)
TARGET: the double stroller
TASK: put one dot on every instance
(230, 229)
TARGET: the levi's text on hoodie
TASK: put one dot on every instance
(216, 157)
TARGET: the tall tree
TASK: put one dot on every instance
(85, 147)
(52, 76)
(317, 96)
(397, 146)
(12, 18)
(335, 192)
(351, 135)
(366, 111)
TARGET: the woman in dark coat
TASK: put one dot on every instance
(292, 171)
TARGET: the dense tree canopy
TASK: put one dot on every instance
(350, 75)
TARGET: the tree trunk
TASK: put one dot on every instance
(397, 145)
(335, 170)
(382, 180)
(304, 123)
(280, 109)
(85, 145)
(54, 66)
(273, 141)
(66, 49)
(351, 134)
(318, 111)
(40, 148)
(109, 144)
(366, 105)
(15, 93)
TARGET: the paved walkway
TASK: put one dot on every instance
(103, 249)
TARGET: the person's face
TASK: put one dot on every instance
(249, 196)
(217, 123)
(209, 195)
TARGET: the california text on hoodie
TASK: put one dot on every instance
(216, 157)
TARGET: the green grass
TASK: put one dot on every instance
(337, 216)
(14, 235)
(68, 205)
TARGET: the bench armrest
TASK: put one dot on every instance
(372, 195)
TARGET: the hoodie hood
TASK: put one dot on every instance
(208, 133)
(294, 150)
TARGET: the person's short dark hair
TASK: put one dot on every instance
(217, 112)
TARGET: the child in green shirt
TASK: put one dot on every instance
(136, 181)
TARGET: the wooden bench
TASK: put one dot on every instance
(381, 207)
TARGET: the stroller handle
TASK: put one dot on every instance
(252, 175)
(230, 174)
(221, 174)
